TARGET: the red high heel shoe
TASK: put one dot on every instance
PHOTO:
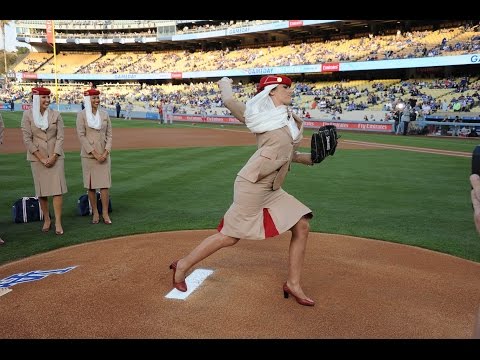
(287, 291)
(180, 286)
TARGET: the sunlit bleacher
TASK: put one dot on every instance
(426, 43)
(68, 63)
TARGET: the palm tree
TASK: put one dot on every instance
(3, 25)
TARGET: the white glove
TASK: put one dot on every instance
(225, 85)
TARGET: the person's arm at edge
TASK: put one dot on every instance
(475, 195)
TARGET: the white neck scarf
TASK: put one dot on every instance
(261, 113)
(94, 121)
(40, 120)
(292, 125)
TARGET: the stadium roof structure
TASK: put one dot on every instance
(116, 35)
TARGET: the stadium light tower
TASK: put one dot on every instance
(3, 25)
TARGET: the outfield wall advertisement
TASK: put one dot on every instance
(340, 124)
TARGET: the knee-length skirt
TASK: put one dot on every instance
(49, 181)
(258, 212)
(96, 175)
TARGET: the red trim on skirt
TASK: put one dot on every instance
(220, 226)
(268, 225)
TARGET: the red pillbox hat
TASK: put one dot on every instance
(91, 92)
(273, 79)
(41, 91)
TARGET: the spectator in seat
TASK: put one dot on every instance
(473, 132)
(42, 130)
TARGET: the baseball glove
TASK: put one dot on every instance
(324, 143)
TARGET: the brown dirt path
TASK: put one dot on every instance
(131, 138)
(363, 288)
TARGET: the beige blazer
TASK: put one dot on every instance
(90, 139)
(2, 126)
(49, 141)
(276, 149)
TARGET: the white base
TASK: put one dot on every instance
(4, 291)
(194, 280)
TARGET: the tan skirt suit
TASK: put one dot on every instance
(261, 208)
(96, 175)
(47, 181)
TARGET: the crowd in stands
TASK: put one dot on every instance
(332, 98)
(110, 28)
(321, 100)
(426, 43)
(96, 35)
(194, 28)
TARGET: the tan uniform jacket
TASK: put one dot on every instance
(49, 141)
(90, 139)
(275, 150)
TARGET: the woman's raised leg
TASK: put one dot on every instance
(206, 248)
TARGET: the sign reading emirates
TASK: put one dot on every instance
(295, 23)
(330, 67)
(49, 26)
(27, 75)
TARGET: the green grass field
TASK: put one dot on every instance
(399, 196)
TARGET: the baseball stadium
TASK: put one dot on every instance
(392, 252)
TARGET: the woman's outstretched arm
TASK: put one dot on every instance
(302, 158)
(237, 108)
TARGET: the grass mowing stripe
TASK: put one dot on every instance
(419, 200)
(410, 198)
